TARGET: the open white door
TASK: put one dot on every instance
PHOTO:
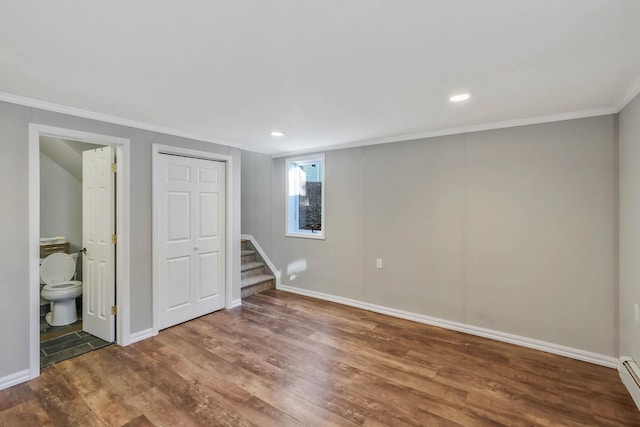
(98, 238)
(191, 233)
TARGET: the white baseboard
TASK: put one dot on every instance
(235, 303)
(264, 256)
(142, 335)
(13, 379)
(573, 353)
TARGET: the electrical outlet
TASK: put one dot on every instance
(379, 263)
(636, 313)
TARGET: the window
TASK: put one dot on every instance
(305, 197)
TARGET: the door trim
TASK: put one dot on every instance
(123, 191)
(157, 150)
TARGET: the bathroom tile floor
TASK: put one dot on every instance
(48, 332)
(67, 346)
(58, 343)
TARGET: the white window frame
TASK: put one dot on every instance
(290, 225)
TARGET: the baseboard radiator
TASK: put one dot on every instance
(630, 374)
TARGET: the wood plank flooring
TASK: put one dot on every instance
(285, 360)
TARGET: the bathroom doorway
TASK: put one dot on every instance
(66, 214)
(79, 216)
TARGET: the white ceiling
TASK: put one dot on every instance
(326, 72)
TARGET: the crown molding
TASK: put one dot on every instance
(629, 95)
(77, 112)
(455, 131)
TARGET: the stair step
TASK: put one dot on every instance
(251, 265)
(254, 280)
(255, 276)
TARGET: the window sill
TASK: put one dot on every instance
(315, 236)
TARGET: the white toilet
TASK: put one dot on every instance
(56, 272)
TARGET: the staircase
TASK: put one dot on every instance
(255, 275)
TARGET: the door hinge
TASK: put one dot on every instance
(114, 167)
(114, 239)
(114, 310)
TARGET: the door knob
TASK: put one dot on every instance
(83, 250)
(195, 248)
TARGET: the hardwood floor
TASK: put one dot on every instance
(282, 359)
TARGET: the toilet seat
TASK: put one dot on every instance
(56, 272)
(62, 289)
(57, 268)
(62, 286)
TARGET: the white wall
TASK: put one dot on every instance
(629, 139)
(14, 227)
(513, 230)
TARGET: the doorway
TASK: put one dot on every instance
(77, 212)
(98, 312)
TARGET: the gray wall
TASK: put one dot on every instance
(629, 137)
(513, 230)
(256, 198)
(14, 228)
(60, 203)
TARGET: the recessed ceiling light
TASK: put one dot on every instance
(277, 133)
(460, 97)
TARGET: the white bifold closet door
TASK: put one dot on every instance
(191, 238)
